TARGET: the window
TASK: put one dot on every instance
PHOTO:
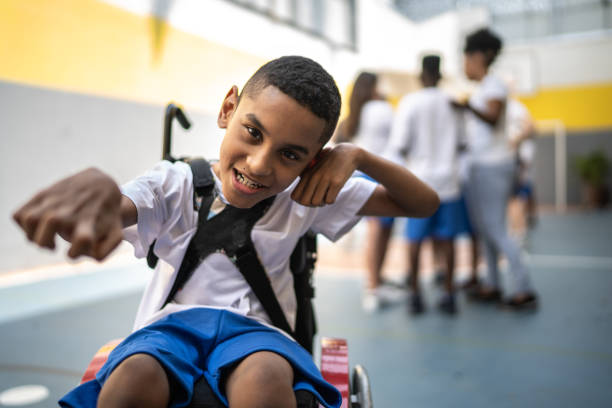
(330, 20)
(523, 19)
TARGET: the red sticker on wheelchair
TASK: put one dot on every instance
(335, 366)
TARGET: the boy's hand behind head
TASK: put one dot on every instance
(84, 209)
(320, 184)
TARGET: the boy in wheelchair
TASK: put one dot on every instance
(199, 317)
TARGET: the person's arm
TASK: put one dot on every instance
(86, 209)
(491, 115)
(400, 193)
(526, 132)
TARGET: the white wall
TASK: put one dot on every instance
(564, 61)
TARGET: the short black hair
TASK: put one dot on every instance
(431, 65)
(485, 41)
(304, 80)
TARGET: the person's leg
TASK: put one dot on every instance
(447, 249)
(262, 380)
(447, 302)
(475, 258)
(531, 207)
(465, 226)
(415, 304)
(379, 232)
(483, 212)
(476, 196)
(492, 260)
(263, 365)
(498, 181)
(439, 261)
(378, 240)
(415, 260)
(138, 381)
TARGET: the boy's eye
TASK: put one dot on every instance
(254, 132)
(289, 154)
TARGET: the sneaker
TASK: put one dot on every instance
(470, 283)
(484, 294)
(369, 301)
(393, 284)
(521, 302)
(447, 304)
(389, 293)
(416, 306)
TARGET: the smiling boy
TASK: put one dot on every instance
(214, 326)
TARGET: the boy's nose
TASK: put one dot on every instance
(260, 163)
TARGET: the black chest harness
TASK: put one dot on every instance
(229, 232)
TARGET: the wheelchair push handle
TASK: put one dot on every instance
(172, 111)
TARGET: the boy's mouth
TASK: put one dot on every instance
(245, 181)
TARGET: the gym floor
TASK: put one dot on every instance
(557, 356)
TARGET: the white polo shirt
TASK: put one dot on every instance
(424, 137)
(488, 144)
(164, 200)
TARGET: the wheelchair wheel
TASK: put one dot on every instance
(361, 393)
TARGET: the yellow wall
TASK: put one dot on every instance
(91, 47)
(586, 107)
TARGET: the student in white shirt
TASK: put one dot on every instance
(491, 170)
(273, 149)
(425, 137)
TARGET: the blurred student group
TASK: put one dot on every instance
(485, 101)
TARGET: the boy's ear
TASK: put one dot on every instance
(230, 103)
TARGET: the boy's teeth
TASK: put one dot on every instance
(246, 181)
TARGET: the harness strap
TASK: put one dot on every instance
(228, 232)
(248, 264)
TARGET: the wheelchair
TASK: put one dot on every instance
(334, 363)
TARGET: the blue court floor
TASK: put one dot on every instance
(558, 356)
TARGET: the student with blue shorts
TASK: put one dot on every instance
(272, 160)
(425, 136)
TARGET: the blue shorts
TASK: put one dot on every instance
(449, 221)
(523, 190)
(206, 342)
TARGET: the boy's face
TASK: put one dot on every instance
(474, 65)
(269, 140)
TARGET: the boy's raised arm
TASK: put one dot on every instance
(86, 209)
(400, 193)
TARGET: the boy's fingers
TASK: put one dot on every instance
(50, 224)
(27, 207)
(83, 238)
(332, 193)
(30, 215)
(298, 191)
(110, 242)
(319, 193)
(310, 188)
(29, 222)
